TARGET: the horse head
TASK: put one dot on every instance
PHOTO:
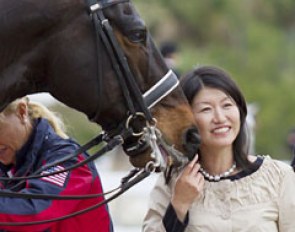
(53, 46)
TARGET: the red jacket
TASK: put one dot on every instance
(43, 147)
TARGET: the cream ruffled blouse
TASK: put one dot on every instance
(261, 202)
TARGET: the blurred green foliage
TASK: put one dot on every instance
(77, 124)
(253, 39)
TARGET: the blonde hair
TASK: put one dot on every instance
(37, 110)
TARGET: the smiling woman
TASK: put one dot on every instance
(224, 188)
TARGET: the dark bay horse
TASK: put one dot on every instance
(52, 46)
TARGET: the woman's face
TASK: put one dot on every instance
(217, 117)
(13, 135)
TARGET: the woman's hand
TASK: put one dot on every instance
(189, 186)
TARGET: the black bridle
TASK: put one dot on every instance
(138, 106)
(104, 32)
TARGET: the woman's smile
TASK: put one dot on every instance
(221, 130)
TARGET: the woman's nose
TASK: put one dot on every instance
(219, 116)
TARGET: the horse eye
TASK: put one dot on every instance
(138, 36)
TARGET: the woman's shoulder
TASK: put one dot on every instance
(267, 172)
(277, 165)
(272, 172)
(265, 182)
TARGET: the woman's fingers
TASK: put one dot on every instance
(195, 169)
(189, 184)
(195, 159)
(191, 165)
(200, 180)
(192, 171)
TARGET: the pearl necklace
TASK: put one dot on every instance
(219, 176)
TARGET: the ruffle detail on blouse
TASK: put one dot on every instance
(260, 187)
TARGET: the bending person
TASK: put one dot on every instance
(31, 136)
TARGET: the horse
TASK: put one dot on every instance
(53, 46)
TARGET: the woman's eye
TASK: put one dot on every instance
(227, 105)
(205, 109)
(138, 36)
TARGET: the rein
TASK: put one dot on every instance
(135, 100)
(137, 177)
(134, 177)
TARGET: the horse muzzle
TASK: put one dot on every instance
(192, 142)
(153, 153)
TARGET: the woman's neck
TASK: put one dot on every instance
(217, 161)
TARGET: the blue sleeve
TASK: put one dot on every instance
(171, 221)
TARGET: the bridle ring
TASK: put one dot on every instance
(131, 118)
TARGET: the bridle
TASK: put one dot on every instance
(138, 104)
(138, 107)
(105, 33)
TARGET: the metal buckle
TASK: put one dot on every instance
(95, 7)
(129, 121)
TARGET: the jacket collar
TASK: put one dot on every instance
(28, 153)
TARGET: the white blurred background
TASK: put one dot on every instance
(129, 209)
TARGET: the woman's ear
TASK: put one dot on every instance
(22, 112)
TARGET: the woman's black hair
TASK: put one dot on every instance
(214, 77)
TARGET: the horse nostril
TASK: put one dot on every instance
(192, 141)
